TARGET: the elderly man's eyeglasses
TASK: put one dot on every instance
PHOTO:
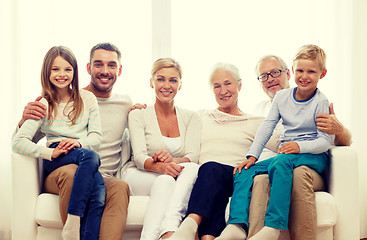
(274, 73)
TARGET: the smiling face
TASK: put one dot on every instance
(226, 89)
(61, 74)
(166, 83)
(273, 85)
(104, 69)
(307, 74)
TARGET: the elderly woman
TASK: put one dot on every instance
(227, 134)
(165, 142)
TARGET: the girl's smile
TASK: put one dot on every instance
(61, 73)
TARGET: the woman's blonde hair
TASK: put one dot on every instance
(312, 52)
(166, 63)
(48, 89)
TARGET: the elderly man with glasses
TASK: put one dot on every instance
(274, 75)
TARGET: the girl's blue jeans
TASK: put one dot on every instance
(280, 170)
(88, 194)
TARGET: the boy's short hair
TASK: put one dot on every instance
(312, 52)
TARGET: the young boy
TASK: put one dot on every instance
(301, 144)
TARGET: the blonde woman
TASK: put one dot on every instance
(165, 141)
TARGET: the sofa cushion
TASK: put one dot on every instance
(326, 209)
(47, 211)
(48, 215)
(136, 212)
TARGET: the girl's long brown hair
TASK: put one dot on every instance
(48, 89)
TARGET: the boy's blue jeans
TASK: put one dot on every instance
(88, 194)
(280, 170)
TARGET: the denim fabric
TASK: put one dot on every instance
(88, 194)
(280, 169)
(210, 195)
(91, 222)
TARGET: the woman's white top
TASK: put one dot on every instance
(172, 143)
(226, 138)
(146, 137)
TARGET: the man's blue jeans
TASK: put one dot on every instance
(88, 194)
(280, 170)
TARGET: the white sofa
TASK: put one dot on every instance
(35, 215)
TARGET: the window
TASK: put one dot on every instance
(80, 25)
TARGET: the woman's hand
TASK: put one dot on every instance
(172, 169)
(162, 156)
(289, 148)
(68, 144)
(245, 164)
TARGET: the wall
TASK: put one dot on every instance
(359, 110)
(7, 120)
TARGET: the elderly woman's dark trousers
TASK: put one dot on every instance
(210, 195)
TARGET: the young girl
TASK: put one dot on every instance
(72, 128)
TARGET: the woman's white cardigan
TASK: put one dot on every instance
(146, 137)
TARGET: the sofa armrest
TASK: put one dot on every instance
(26, 188)
(344, 187)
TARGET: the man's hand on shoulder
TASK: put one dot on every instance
(331, 125)
(138, 106)
(33, 110)
(328, 122)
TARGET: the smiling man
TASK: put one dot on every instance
(104, 69)
(273, 74)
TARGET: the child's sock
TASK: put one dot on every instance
(266, 233)
(71, 230)
(233, 232)
(186, 231)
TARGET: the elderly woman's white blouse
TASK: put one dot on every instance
(227, 138)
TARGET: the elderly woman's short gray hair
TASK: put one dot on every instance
(230, 68)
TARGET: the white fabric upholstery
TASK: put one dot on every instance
(337, 211)
(327, 212)
(46, 213)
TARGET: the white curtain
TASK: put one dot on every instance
(197, 34)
